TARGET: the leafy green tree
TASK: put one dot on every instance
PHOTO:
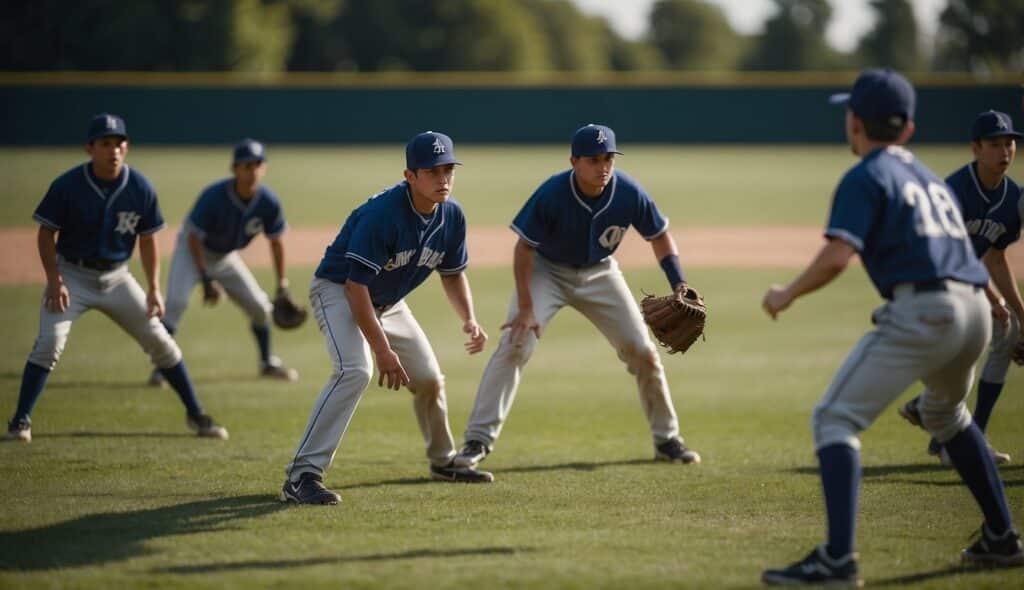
(693, 35)
(794, 39)
(893, 42)
(981, 36)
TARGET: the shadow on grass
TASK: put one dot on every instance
(954, 570)
(213, 568)
(915, 468)
(108, 434)
(98, 539)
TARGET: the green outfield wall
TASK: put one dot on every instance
(46, 109)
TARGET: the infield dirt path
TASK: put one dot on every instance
(756, 247)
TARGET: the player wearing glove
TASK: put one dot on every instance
(226, 217)
(992, 208)
(568, 231)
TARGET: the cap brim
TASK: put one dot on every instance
(840, 98)
(1012, 134)
(598, 154)
(102, 135)
(249, 159)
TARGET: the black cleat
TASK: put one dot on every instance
(455, 474)
(992, 551)
(472, 453)
(911, 413)
(19, 430)
(308, 490)
(817, 569)
(674, 451)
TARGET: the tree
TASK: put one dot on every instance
(794, 39)
(981, 36)
(693, 35)
(893, 42)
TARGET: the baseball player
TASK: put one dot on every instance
(387, 247)
(904, 223)
(227, 216)
(991, 204)
(568, 231)
(96, 211)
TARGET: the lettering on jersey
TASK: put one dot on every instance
(399, 260)
(126, 222)
(430, 258)
(438, 146)
(986, 228)
(253, 226)
(601, 137)
(611, 236)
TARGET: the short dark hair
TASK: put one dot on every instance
(885, 129)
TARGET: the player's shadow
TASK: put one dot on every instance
(98, 539)
(908, 579)
(274, 564)
(585, 466)
(108, 434)
(884, 470)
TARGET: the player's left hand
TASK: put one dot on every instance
(1001, 314)
(477, 336)
(1018, 352)
(154, 304)
(775, 301)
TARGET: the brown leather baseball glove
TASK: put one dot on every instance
(676, 320)
(287, 315)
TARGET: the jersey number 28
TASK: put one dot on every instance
(937, 214)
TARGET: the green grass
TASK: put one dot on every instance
(112, 493)
(693, 185)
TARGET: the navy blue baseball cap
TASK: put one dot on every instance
(249, 150)
(104, 125)
(993, 124)
(593, 140)
(882, 96)
(429, 149)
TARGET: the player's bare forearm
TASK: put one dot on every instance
(277, 254)
(45, 242)
(522, 269)
(830, 261)
(456, 288)
(1002, 275)
(359, 302)
(149, 253)
(195, 248)
(664, 245)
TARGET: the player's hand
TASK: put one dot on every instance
(775, 301)
(391, 370)
(477, 336)
(1001, 314)
(154, 304)
(1018, 353)
(57, 298)
(211, 291)
(521, 326)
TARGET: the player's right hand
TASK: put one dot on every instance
(521, 325)
(1001, 314)
(211, 292)
(391, 370)
(57, 298)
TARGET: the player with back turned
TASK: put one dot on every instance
(97, 211)
(991, 204)
(905, 224)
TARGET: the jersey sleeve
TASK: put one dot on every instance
(274, 224)
(152, 218)
(52, 210)
(531, 223)
(456, 256)
(201, 217)
(368, 247)
(854, 210)
(647, 219)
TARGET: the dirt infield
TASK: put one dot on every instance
(761, 247)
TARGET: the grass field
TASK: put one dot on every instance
(113, 493)
(693, 185)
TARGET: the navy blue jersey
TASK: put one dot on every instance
(904, 222)
(992, 217)
(224, 222)
(569, 228)
(95, 219)
(391, 248)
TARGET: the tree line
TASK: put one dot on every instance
(977, 36)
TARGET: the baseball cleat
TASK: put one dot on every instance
(205, 427)
(275, 370)
(20, 430)
(992, 551)
(472, 453)
(156, 379)
(817, 569)
(674, 451)
(455, 474)
(308, 490)
(934, 448)
(911, 413)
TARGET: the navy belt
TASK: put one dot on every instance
(95, 263)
